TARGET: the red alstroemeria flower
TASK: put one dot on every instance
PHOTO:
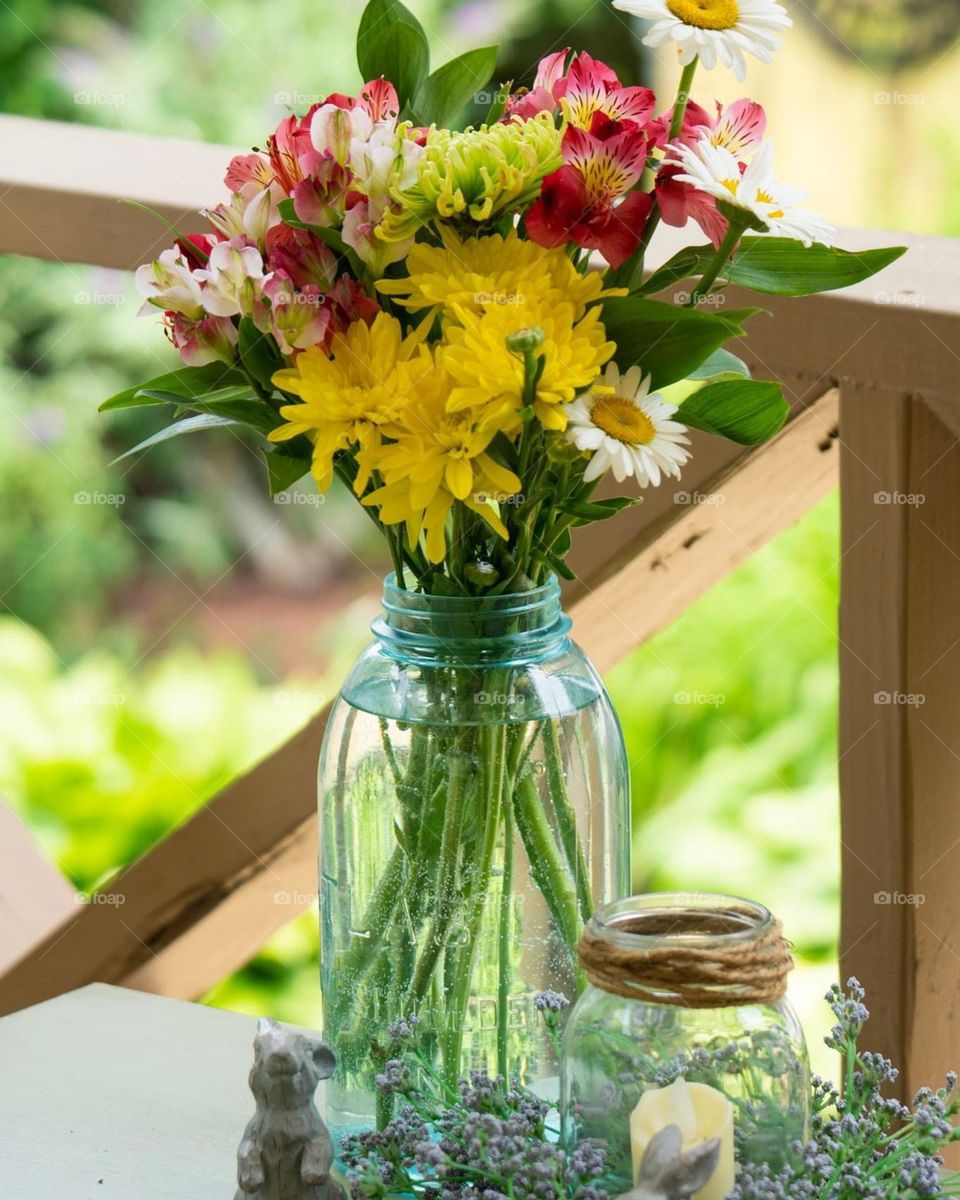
(579, 202)
(301, 256)
(542, 96)
(196, 247)
(739, 128)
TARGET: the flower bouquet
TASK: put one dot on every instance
(449, 309)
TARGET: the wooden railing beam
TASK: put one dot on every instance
(900, 724)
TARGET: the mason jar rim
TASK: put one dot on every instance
(754, 920)
(406, 601)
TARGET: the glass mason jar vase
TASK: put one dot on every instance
(689, 988)
(474, 810)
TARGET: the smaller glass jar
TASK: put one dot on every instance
(684, 987)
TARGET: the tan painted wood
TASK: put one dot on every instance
(900, 725)
(108, 1094)
(62, 187)
(202, 901)
(661, 570)
(34, 896)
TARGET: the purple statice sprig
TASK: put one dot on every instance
(486, 1139)
(863, 1145)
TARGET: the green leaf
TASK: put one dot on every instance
(690, 261)
(185, 382)
(777, 266)
(391, 43)
(748, 411)
(721, 365)
(668, 343)
(283, 470)
(782, 267)
(189, 425)
(240, 391)
(258, 352)
(587, 511)
(555, 563)
(444, 94)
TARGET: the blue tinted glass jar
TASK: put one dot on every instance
(474, 810)
(684, 987)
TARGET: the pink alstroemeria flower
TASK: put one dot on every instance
(587, 87)
(738, 128)
(211, 339)
(581, 202)
(297, 317)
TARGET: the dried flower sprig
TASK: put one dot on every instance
(863, 1145)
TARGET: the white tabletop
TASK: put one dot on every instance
(111, 1094)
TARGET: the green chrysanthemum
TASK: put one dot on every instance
(473, 177)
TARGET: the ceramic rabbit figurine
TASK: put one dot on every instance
(668, 1172)
(286, 1152)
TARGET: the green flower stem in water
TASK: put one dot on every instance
(492, 768)
(566, 820)
(546, 865)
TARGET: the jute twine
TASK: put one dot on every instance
(663, 969)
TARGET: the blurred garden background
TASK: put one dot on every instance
(163, 624)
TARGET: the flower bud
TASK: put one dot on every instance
(525, 341)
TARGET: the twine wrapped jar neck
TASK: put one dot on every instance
(689, 950)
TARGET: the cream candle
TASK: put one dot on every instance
(702, 1113)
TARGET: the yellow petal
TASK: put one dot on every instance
(459, 477)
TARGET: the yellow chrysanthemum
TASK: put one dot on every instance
(438, 456)
(488, 378)
(477, 273)
(474, 176)
(350, 397)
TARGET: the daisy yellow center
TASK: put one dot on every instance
(620, 419)
(706, 14)
(766, 198)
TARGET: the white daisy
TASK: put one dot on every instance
(714, 170)
(629, 432)
(713, 29)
